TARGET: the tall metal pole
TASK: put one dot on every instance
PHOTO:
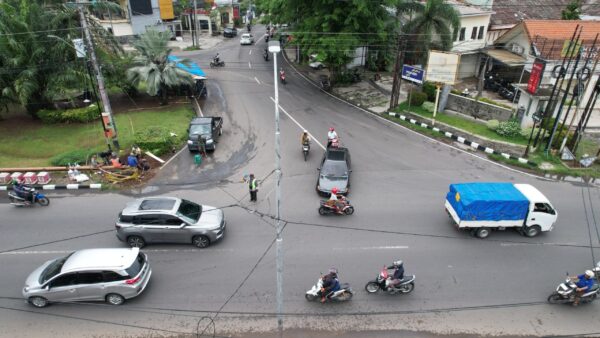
(279, 240)
(196, 40)
(99, 78)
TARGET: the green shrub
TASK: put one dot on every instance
(416, 99)
(429, 106)
(429, 89)
(155, 139)
(492, 124)
(75, 115)
(510, 128)
(75, 156)
(81, 115)
(525, 132)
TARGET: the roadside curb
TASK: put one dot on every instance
(61, 186)
(472, 144)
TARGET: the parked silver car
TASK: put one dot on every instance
(169, 220)
(110, 275)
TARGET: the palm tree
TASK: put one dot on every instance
(153, 66)
(433, 25)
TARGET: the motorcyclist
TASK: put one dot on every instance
(217, 59)
(336, 201)
(330, 284)
(398, 267)
(22, 191)
(266, 54)
(331, 135)
(305, 139)
(281, 73)
(584, 283)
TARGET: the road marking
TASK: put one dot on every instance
(394, 247)
(172, 158)
(299, 125)
(249, 64)
(56, 252)
(250, 52)
(550, 244)
(256, 80)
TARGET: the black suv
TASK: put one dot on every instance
(334, 172)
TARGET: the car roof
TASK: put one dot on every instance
(246, 34)
(152, 204)
(100, 259)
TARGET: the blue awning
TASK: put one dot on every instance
(191, 68)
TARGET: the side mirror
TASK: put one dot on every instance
(319, 169)
(182, 225)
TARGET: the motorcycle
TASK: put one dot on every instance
(37, 197)
(326, 208)
(383, 280)
(343, 294)
(565, 292)
(267, 37)
(305, 149)
(266, 55)
(214, 63)
(324, 82)
(333, 143)
(282, 76)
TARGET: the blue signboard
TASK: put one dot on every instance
(412, 73)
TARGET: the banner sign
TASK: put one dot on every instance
(413, 74)
(535, 78)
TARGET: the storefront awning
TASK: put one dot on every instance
(506, 57)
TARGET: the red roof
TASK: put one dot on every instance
(561, 29)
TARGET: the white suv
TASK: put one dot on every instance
(246, 39)
(110, 275)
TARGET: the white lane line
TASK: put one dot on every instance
(541, 244)
(395, 247)
(56, 252)
(249, 64)
(299, 125)
(172, 158)
(256, 80)
(250, 52)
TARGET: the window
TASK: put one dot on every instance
(111, 276)
(190, 210)
(89, 278)
(170, 220)
(481, 31)
(146, 219)
(136, 266)
(474, 33)
(64, 280)
(461, 36)
(544, 207)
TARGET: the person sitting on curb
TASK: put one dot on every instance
(114, 161)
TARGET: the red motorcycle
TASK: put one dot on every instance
(328, 207)
(282, 76)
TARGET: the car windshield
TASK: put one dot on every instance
(189, 210)
(334, 169)
(53, 269)
(200, 129)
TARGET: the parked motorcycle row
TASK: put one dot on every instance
(503, 87)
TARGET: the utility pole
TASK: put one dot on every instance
(196, 40)
(401, 46)
(110, 124)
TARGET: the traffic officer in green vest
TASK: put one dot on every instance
(253, 185)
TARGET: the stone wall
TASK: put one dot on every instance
(477, 109)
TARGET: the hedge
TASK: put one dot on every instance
(75, 115)
(75, 156)
(417, 98)
(157, 140)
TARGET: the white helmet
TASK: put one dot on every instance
(398, 263)
(305, 131)
(589, 273)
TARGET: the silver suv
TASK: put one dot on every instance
(110, 275)
(169, 220)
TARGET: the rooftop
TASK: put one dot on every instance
(100, 259)
(511, 12)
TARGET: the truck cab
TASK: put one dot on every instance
(541, 212)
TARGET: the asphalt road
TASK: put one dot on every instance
(496, 286)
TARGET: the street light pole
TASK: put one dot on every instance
(99, 79)
(274, 47)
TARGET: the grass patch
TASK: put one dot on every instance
(466, 125)
(190, 48)
(33, 144)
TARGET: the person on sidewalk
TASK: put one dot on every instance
(253, 185)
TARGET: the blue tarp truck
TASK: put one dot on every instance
(483, 207)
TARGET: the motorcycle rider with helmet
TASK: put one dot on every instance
(22, 190)
(305, 138)
(398, 267)
(584, 283)
(335, 201)
(331, 135)
(330, 284)
(216, 59)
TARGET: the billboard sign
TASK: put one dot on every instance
(442, 67)
(413, 74)
(535, 78)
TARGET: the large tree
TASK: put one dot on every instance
(432, 25)
(333, 28)
(154, 67)
(572, 11)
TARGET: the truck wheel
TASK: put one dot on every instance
(532, 231)
(482, 232)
